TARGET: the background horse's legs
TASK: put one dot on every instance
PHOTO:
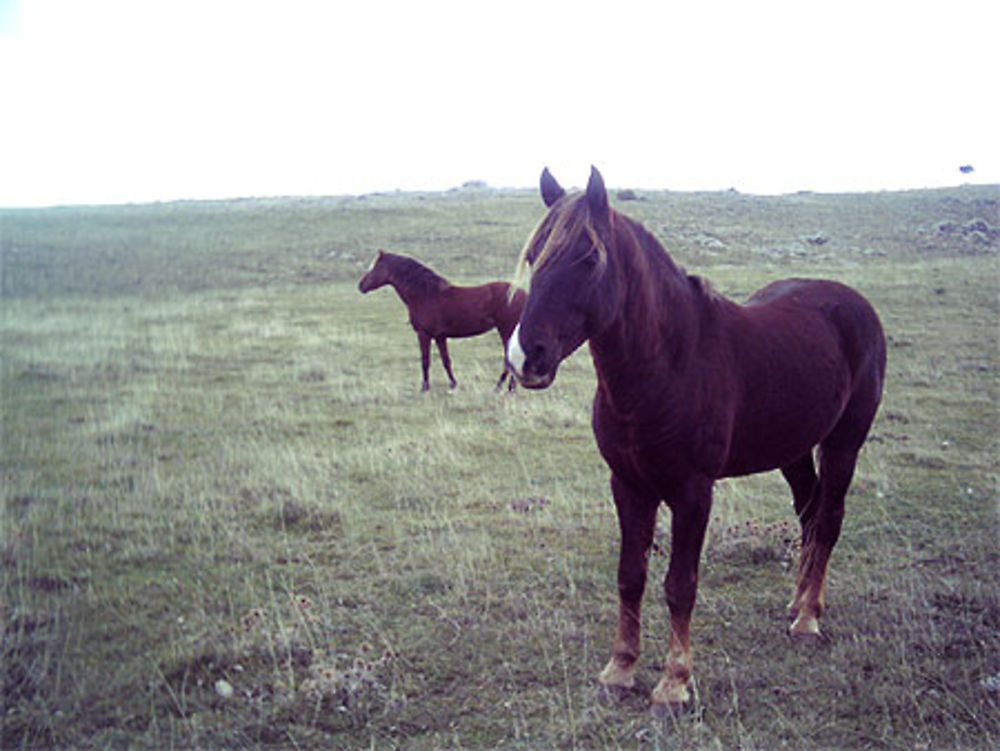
(637, 522)
(689, 518)
(821, 522)
(425, 358)
(442, 343)
(503, 377)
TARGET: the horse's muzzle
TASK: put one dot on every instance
(527, 372)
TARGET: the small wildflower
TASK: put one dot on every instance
(224, 688)
(303, 602)
(251, 619)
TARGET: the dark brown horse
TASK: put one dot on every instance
(692, 388)
(440, 309)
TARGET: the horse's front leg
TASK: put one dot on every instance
(442, 344)
(425, 358)
(637, 522)
(690, 510)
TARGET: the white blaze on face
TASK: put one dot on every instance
(515, 355)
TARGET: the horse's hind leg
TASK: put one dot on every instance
(425, 359)
(503, 377)
(442, 344)
(512, 383)
(505, 373)
(821, 517)
(822, 514)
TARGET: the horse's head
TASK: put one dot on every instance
(377, 276)
(573, 291)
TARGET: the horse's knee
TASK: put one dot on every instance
(680, 591)
(631, 588)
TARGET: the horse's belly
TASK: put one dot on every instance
(759, 446)
(764, 460)
(656, 457)
(452, 326)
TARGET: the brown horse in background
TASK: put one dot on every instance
(440, 309)
(692, 388)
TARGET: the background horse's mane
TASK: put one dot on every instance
(417, 277)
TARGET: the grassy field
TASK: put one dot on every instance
(231, 519)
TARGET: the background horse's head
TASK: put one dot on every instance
(377, 276)
(573, 289)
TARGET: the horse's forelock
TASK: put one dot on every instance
(557, 234)
(646, 267)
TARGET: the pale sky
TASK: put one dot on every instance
(114, 101)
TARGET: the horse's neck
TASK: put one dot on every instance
(405, 291)
(651, 338)
(410, 292)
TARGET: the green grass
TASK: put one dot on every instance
(217, 466)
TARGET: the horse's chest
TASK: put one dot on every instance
(658, 454)
(628, 458)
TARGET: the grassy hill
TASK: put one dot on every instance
(231, 519)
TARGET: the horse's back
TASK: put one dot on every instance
(847, 311)
(505, 305)
(460, 311)
(809, 361)
(812, 293)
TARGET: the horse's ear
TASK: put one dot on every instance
(552, 191)
(597, 198)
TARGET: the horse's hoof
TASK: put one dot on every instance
(805, 628)
(671, 697)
